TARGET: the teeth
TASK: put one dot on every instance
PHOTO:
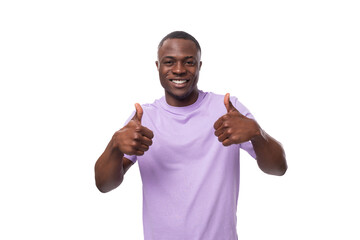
(178, 81)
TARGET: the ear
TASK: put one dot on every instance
(200, 65)
(157, 64)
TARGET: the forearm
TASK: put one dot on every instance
(270, 155)
(109, 170)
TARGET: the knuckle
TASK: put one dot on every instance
(117, 134)
(131, 123)
(137, 136)
(134, 144)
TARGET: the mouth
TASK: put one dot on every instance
(179, 83)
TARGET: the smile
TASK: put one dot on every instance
(179, 81)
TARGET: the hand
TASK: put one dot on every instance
(134, 139)
(233, 127)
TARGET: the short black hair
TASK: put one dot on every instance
(180, 35)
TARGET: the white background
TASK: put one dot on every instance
(71, 72)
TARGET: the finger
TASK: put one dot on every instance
(139, 112)
(221, 121)
(228, 104)
(219, 131)
(223, 136)
(141, 138)
(227, 142)
(146, 141)
(139, 153)
(143, 148)
(147, 132)
(218, 123)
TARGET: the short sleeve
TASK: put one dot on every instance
(247, 146)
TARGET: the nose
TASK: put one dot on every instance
(179, 69)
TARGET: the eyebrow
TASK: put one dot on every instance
(187, 57)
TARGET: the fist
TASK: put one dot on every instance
(233, 127)
(133, 138)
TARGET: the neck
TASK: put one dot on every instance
(182, 102)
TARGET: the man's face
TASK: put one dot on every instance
(179, 65)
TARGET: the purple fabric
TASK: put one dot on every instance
(190, 180)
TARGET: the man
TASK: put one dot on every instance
(187, 146)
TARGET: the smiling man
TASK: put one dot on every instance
(187, 147)
(179, 65)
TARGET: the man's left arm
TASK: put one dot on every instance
(235, 128)
(270, 155)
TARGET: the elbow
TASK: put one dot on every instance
(106, 181)
(276, 172)
(101, 188)
(104, 188)
(281, 167)
(281, 171)
(107, 186)
(275, 169)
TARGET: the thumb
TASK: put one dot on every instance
(228, 104)
(139, 112)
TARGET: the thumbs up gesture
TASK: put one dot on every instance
(138, 114)
(233, 127)
(133, 138)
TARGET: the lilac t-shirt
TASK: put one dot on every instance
(190, 180)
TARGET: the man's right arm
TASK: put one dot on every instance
(132, 139)
(110, 168)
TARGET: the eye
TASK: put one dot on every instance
(191, 63)
(168, 62)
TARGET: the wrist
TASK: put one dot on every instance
(115, 144)
(259, 136)
(114, 150)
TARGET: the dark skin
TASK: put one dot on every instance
(179, 59)
(179, 66)
(132, 139)
(235, 128)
